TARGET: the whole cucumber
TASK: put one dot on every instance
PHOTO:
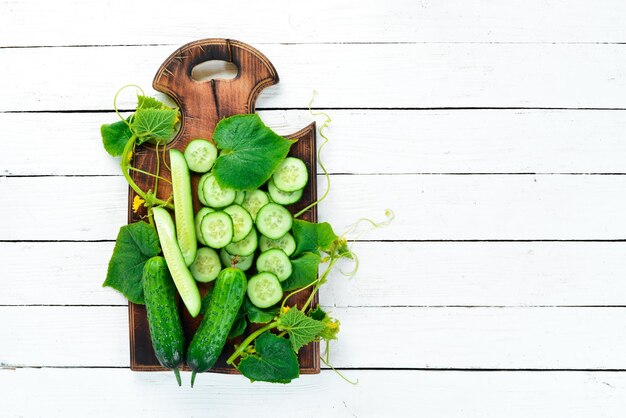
(166, 330)
(209, 340)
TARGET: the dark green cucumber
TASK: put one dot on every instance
(209, 340)
(166, 331)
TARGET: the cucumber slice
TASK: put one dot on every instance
(214, 195)
(217, 229)
(244, 262)
(274, 261)
(264, 290)
(183, 206)
(242, 222)
(246, 246)
(255, 200)
(283, 198)
(200, 189)
(240, 197)
(207, 266)
(291, 175)
(273, 220)
(199, 217)
(286, 243)
(183, 279)
(200, 155)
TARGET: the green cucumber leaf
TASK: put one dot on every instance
(304, 271)
(259, 315)
(115, 136)
(318, 314)
(239, 326)
(136, 243)
(312, 237)
(301, 329)
(157, 124)
(250, 152)
(331, 325)
(273, 362)
(147, 102)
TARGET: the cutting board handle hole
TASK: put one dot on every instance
(213, 70)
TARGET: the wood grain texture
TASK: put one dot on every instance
(385, 337)
(416, 141)
(433, 75)
(426, 207)
(202, 106)
(422, 273)
(90, 22)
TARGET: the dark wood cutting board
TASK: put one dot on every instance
(202, 105)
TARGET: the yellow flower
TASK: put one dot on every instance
(285, 309)
(137, 202)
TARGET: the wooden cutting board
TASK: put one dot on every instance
(202, 105)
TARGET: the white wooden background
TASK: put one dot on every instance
(495, 130)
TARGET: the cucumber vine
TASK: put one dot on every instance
(152, 121)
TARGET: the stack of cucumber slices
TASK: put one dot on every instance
(249, 230)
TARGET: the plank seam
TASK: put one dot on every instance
(420, 369)
(332, 43)
(452, 108)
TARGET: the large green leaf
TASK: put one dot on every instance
(312, 237)
(115, 136)
(136, 243)
(259, 315)
(301, 328)
(147, 102)
(273, 362)
(250, 152)
(304, 271)
(158, 124)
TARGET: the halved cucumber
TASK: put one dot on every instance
(291, 175)
(214, 195)
(183, 206)
(183, 279)
(199, 217)
(286, 243)
(242, 221)
(200, 155)
(217, 229)
(273, 220)
(283, 198)
(246, 246)
(255, 200)
(241, 195)
(275, 261)
(244, 262)
(206, 267)
(264, 290)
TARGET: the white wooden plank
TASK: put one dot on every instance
(346, 75)
(92, 22)
(364, 141)
(401, 393)
(426, 207)
(390, 274)
(491, 338)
